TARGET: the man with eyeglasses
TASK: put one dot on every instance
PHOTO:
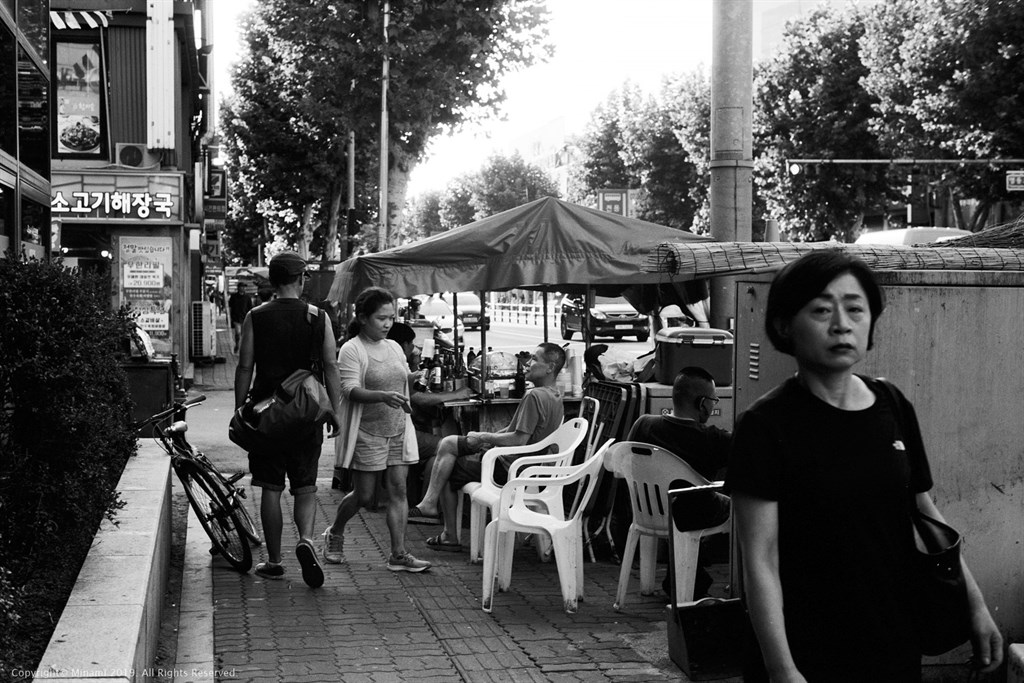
(703, 447)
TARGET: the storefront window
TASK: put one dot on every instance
(9, 4)
(6, 211)
(78, 87)
(35, 222)
(34, 23)
(33, 116)
(8, 101)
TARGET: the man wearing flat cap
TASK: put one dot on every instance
(276, 340)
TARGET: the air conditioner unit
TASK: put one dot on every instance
(135, 155)
(204, 330)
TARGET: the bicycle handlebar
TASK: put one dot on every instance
(164, 414)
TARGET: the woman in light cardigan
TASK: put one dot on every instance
(377, 433)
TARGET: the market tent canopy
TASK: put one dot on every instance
(546, 244)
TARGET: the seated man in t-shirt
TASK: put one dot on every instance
(458, 457)
(703, 447)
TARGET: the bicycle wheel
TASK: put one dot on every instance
(215, 513)
(245, 521)
(232, 494)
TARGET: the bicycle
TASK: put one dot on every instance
(214, 497)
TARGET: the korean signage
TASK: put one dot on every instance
(1015, 181)
(146, 265)
(134, 197)
(215, 202)
(612, 201)
(113, 204)
(78, 89)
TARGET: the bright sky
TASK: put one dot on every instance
(598, 45)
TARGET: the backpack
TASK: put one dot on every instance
(299, 402)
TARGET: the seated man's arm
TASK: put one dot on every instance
(430, 399)
(500, 438)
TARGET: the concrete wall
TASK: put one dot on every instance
(109, 628)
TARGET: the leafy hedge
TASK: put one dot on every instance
(65, 436)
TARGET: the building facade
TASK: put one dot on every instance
(24, 128)
(129, 111)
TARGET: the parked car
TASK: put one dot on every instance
(468, 309)
(437, 310)
(609, 317)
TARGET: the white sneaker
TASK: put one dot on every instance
(333, 547)
(407, 563)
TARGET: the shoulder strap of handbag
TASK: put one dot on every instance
(897, 410)
(315, 317)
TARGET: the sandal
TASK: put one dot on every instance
(440, 543)
(417, 517)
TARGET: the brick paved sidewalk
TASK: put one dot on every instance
(369, 624)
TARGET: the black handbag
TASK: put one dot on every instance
(942, 613)
(939, 591)
(709, 639)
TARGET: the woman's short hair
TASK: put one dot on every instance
(806, 278)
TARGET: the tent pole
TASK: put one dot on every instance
(455, 323)
(588, 302)
(483, 351)
(544, 301)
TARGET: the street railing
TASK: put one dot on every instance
(524, 314)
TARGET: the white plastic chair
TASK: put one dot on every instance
(566, 532)
(649, 471)
(484, 494)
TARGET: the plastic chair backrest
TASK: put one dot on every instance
(612, 398)
(650, 472)
(590, 409)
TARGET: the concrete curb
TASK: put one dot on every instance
(194, 660)
(108, 630)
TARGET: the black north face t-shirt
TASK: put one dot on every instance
(843, 481)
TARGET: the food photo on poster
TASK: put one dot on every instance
(78, 98)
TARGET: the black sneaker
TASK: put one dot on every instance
(274, 572)
(312, 574)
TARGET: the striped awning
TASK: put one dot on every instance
(67, 19)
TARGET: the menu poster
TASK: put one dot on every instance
(78, 97)
(146, 285)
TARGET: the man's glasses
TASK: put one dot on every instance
(714, 401)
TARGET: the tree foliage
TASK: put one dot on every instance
(809, 103)
(632, 142)
(502, 183)
(312, 73)
(948, 76)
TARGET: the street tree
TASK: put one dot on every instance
(948, 78)
(455, 207)
(505, 182)
(809, 103)
(312, 74)
(631, 143)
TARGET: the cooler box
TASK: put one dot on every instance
(678, 347)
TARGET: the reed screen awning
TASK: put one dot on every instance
(689, 261)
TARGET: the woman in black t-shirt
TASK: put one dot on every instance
(821, 477)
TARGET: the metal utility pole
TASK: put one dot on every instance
(382, 233)
(732, 146)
